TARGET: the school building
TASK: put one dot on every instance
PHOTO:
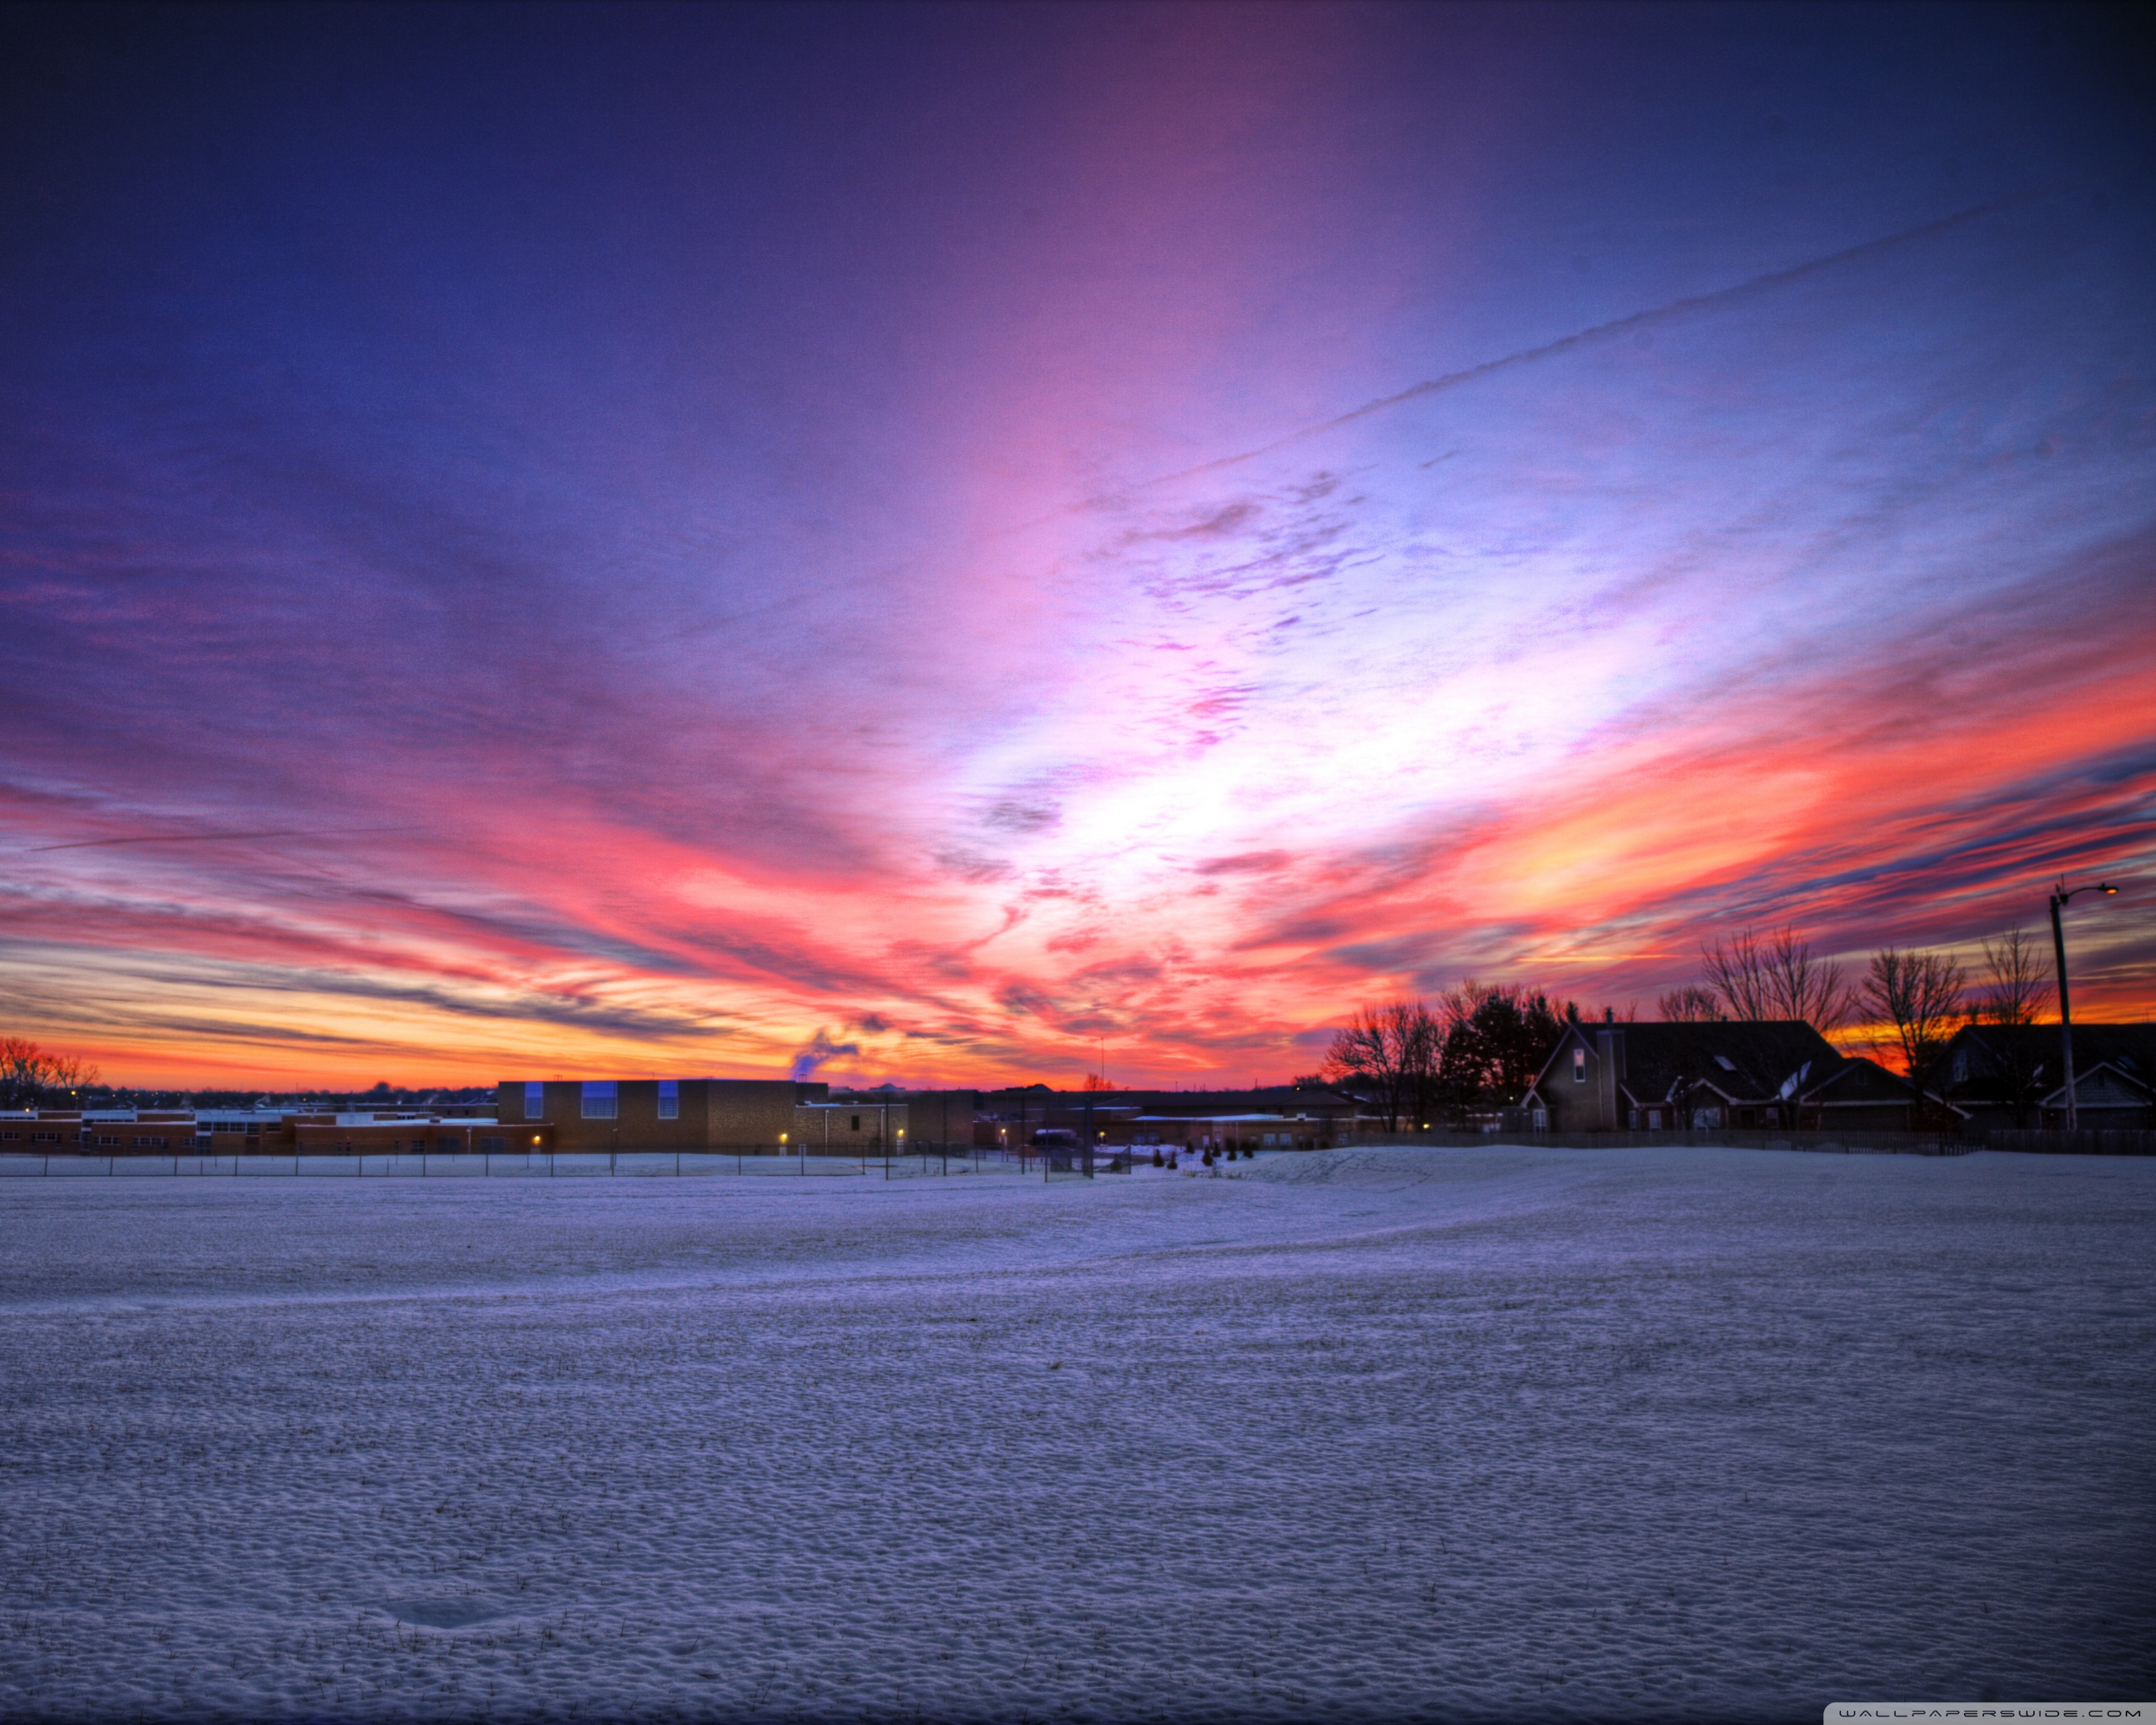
(742, 1116)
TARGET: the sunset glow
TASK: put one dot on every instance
(1003, 539)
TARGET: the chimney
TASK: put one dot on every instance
(1610, 1073)
(1609, 1015)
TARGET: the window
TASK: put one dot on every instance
(535, 1102)
(857, 1123)
(1579, 1065)
(669, 1099)
(108, 1140)
(489, 1142)
(600, 1098)
(1724, 1063)
(9, 1137)
(45, 1137)
(150, 1144)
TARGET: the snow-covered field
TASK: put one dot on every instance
(1387, 1433)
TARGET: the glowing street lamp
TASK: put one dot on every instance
(2059, 896)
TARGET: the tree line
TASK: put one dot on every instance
(1908, 1003)
(31, 1077)
(1482, 1044)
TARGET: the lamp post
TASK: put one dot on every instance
(2059, 897)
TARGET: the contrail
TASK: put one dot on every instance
(1564, 343)
(213, 838)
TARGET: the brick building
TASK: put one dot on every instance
(754, 1116)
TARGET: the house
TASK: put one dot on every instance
(1612, 1077)
(1859, 1095)
(2011, 1075)
(2107, 1097)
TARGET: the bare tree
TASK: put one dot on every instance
(1774, 976)
(1421, 1045)
(1807, 989)
(1919, 995)
(1391, 1051)
(2017, 989)
(1690, 1005)
(1766, 979)
(30, 1073)
(1736, 972)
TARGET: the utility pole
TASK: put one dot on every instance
(2059, 897)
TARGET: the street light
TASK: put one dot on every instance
(2059, 897)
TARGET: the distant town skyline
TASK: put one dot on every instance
(950, 544)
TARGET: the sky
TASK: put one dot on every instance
(963, 544)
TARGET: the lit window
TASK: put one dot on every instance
(600, 1097)
(1579, 1065)
(535, 1102)
(669, 1099)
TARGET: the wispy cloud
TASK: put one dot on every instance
(708, 573)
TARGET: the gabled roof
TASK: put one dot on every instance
(2130, 1047)
(1858, 1080)
(1745, 1060)
(2101, 1086)
(1859, 1083)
